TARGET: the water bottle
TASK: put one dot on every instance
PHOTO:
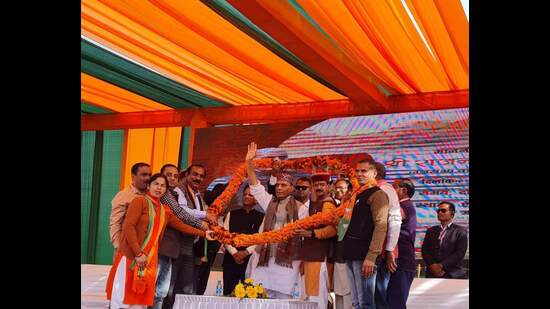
(219, 289)
(296, 291)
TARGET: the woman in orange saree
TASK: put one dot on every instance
(132, 279)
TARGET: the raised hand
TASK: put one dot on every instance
(251, 154)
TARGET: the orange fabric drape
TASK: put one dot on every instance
(383, 38)
(444, 23)
(155, 146)
(103, 94)
(360, 75)
(338, 21)
(191, 44)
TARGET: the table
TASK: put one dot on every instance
(425, 293)
(213, 302)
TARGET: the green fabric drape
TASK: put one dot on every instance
(116, 70)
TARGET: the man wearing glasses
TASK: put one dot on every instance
(445, 245)
(302, 195)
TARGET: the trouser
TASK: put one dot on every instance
(399, 287)
(382, 280)
(232, 273)
(203, 270)
(164, 276)
(342, 289)
(362, 288)
(343, 301)
(182, 280)
(323, 291)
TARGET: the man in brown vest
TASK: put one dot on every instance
(315, 247)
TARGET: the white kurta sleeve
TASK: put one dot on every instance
(394, 217)
(260, 194)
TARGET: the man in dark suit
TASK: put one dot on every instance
(445, 246)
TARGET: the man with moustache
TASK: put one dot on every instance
(141, 173)
(316, 244)
(365, 235)
(184, 271)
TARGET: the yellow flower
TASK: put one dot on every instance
(260, 289)
(240, 291)
(251, 292)
(249, 280)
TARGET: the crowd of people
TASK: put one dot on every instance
(159, 228)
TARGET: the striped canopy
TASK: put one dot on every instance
(376, 56)
(153, 67)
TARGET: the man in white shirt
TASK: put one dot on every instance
(275, 265)
(387, 259)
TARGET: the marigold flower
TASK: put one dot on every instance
(321, 218)
(240, 292)
(251, 292)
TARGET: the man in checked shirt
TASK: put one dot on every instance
(170, 244)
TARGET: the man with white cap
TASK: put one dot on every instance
(275, 265)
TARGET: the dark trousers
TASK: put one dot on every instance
(382, 280)
(182, 280)
(399, 287)
(232, 273)
(202, 271)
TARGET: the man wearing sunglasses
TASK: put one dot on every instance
(302, 191)
(445, 245)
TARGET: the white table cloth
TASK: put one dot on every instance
(213, 302)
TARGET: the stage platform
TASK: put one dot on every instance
(425, 293)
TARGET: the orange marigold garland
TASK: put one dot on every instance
(321, 218)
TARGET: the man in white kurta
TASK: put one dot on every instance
(278, 280)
